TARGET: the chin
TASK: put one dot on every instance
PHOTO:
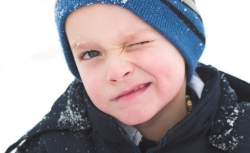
(135, 119)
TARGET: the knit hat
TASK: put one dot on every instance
(177, 20)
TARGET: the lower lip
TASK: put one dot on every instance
(132, 95)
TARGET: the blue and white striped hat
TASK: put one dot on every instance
(177, 20)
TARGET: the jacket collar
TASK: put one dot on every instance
(196, 124)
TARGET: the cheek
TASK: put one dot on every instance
(167, 65)
(96, 93)
(94, 88)
(167, 70)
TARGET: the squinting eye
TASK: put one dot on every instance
(140, 43)
(90, 54)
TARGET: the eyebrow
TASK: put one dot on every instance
(136, 34)
(125, 36)
(77, 45)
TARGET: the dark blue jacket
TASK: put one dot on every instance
(218, 123)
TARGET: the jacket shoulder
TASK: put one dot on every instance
(67, 115)
(242, 88)
(230, 129)
(59, 142)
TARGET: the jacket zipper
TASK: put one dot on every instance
(128, 140)
(151, 150)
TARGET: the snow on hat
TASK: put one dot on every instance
(177, 20)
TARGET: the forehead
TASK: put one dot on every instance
(101, 13)
(102, 19)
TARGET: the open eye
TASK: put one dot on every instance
(90, 54)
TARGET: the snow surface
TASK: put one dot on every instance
(34, 73)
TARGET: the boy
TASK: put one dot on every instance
(143, 90)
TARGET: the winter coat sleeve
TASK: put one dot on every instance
(31, 145)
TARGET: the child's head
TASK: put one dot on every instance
(131, 56)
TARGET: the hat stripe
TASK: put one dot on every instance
(191, 5)
(192, 8)
(185, 20)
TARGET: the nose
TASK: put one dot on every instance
(118, 70)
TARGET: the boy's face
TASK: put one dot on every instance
(131, 71)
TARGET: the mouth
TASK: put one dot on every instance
(133, 92)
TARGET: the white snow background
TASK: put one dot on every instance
(33, 72)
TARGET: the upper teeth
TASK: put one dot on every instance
(139, 87)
